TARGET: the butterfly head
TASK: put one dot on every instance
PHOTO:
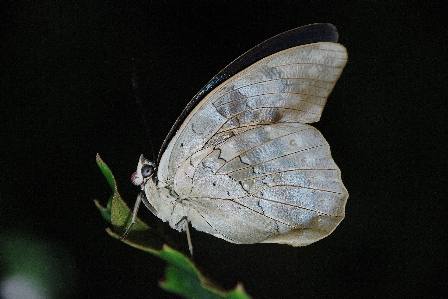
(157, 200)
(145, 170)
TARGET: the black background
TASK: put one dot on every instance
(66, 95)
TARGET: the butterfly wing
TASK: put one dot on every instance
(314, 33)
(245, 163)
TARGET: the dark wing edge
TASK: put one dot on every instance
(313, 33)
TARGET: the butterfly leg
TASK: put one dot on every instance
(182, 225)
(134, 215)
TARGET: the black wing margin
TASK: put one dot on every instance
(319, 32)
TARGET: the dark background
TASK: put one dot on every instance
(66, 95)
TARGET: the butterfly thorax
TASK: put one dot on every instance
(167, 206)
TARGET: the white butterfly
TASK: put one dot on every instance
(241, 163)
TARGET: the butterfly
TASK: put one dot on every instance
(241, 162)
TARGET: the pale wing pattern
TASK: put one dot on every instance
(245, 163)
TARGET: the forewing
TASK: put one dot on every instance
(313, 33)
(289, 86)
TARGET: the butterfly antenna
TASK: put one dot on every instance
(137, 97)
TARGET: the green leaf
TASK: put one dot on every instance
(182, 276)
(106, 211)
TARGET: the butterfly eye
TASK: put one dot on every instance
(147, 171)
